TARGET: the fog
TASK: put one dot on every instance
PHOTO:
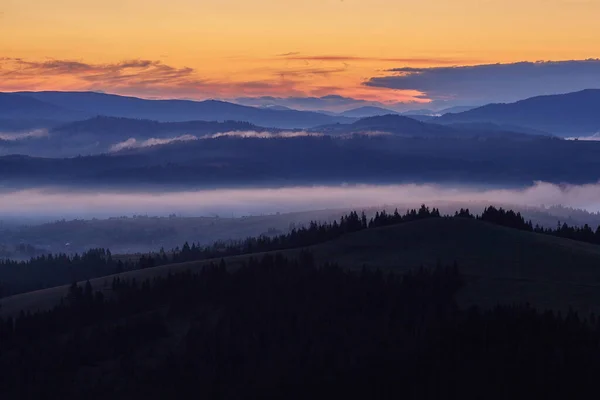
(62, 203)
(595, 137)
(261, 135)
(133, 143)
(15, 136)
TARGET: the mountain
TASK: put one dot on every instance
(491, 128)
(392, 124)
(276, 107)
(439, 155)
(456, 109)
(14, 106)
(367, 111)
(15, 125)
(410, 127)
(423, 111)
(93, 103)
(422, 118)
(399, 125)
(568, 114)
(102, 134)
(116, 128)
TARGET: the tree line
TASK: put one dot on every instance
(288, 328)
(53, 270)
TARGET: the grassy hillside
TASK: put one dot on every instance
(500, 264)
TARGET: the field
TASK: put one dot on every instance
(499, 264)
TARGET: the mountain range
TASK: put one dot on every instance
(318, 160)
(78, 105)
(400, 125)
(568, 114)
(571, 114)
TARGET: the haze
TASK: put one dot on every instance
(58, 203)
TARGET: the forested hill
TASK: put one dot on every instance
(407, 240)
(282, 328)
(103, 128)
(567, 114)
(231, 161)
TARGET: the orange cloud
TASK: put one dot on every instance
(343, 58)
(155, 79)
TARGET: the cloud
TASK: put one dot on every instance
(261, 135)
(310, 71)
(593, 138)
(244, 201)
(138, 70)
(16, 136)
(147, 78)
(346, 58)
(288, 74)
(479, 84)
(133, 143)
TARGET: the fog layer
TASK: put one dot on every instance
(54, 202)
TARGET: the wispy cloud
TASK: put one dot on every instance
(139, 70)
(494, 82)
(290, 54)
(310, 71)
(150, 78)
(593, 138)
(348, 58)
(261, 135)
(16, 136)
(133, 143)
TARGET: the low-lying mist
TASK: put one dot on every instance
(16, 136)
(133, 143)
(74, 203)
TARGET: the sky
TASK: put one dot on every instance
(358, 49)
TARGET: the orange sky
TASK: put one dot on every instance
(229, 48)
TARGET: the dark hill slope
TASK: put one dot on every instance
(501, 265)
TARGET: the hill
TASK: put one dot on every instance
(117, 128)
(501, 265)
(367, 111)
(333, 160)
(94, 103)
(422, 112)
(401, 125)
(568, 114)
(14, 106)
(455, 109)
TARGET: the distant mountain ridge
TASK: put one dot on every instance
(568, 114)
(86, 104)
(123, 128)
(367, 111)
(14, 106)
(400, 125)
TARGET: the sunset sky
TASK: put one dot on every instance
(247, 48)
